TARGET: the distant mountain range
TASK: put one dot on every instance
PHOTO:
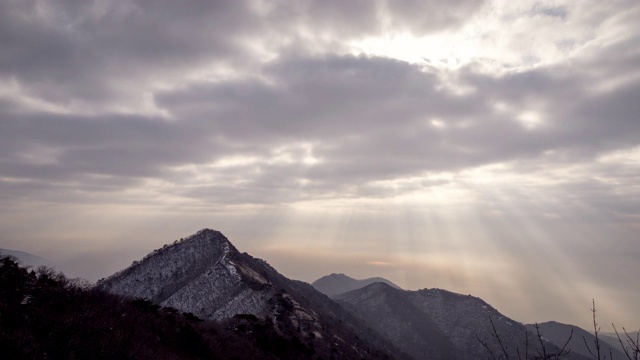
(247, 302)
(559, 333)
(392, 313)
(207, 276)
(439, 324)
(612, 338)
(334, 284)
(27, 259)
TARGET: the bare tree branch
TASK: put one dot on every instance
(596, 331)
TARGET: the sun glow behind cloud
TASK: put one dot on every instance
(484, 38)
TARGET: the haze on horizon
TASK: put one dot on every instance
(483, 147)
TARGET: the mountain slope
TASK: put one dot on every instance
(205, 275)
(44, 315)
(559, 333)
(390, 312)
(335, 284)
(27, 259)
(434, 323)
(612, 339)
(201, 274)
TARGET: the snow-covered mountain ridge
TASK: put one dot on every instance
(204, 274)
(200, 274)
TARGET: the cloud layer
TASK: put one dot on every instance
(505, 110)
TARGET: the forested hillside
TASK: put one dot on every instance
(44, 315)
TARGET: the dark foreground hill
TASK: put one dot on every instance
(335, 284)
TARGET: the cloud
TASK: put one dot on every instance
(105, 56)
(363, 119)
(478, 128)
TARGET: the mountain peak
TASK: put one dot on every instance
(380, 285)
(375, 289)
(174, 275)
(208, 232)
(206, 236)
(335, 284)
(204, 274)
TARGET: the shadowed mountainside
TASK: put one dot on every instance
(559, 333)
(438, 324)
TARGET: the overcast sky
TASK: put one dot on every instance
(484, 147)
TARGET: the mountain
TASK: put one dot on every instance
(392, 313)
(27, 259)
(47, 316)
(612, 339)
(201, 298)
(559, 333)
(438, 324)
(205, 275)
(335, 284)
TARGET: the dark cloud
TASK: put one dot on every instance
(422, 17)
(366, 18)
(369, 118)
(560, 12)
(70, 51)
(364, 118)
(65, 51)
(75, 153)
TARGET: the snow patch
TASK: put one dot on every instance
(228, 264)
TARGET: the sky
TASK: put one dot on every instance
(489, 148)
